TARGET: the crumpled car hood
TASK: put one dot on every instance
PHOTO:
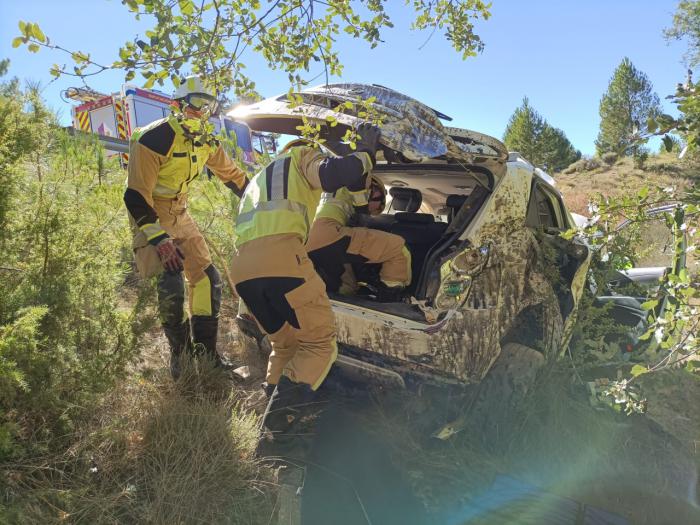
(409, 126)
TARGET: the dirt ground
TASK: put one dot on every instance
(375, 462)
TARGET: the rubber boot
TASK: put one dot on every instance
(268, 388)
(171, 296)
(390, 294)
(179, 339)
(289, 422)
(204, 336)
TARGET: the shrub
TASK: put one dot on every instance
(584, 164)
(65, 334)
(640, 157)
(609, 158)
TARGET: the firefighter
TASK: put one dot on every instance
(333, 245)
(164, 158)
(276, 280)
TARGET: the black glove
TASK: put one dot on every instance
(386, 294)
(368, 139)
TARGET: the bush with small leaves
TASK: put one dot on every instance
(609, 158)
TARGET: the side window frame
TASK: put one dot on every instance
(557, 206)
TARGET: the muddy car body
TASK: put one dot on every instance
(489, 264)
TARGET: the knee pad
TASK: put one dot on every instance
(171, 298)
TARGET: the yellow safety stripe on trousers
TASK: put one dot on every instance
(152, 230)
(200, 295)
(324, 374)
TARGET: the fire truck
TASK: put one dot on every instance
(114, 117)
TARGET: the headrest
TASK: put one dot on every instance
(405, 199)
(421, 218)
(456, 201)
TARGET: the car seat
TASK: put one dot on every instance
(419, 230)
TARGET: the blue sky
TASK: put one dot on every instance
(559, 54)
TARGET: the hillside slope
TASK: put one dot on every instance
(580, 187)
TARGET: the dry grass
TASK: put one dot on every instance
(153, 453)
(623, 178)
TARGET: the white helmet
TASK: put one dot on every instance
(193, 92)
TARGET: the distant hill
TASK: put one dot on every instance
(596, 177)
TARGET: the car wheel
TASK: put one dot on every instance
(505, 386)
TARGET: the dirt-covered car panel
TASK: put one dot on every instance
(466, 342)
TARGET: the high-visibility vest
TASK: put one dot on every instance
(277, 200)
(186, 160)
(339, 207)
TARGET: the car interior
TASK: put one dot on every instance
(421, 208)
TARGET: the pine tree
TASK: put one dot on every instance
(557, 151)
(625, 109)
(529, 133)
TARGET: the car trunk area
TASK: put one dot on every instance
(429, 206)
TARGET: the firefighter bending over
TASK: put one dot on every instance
(164, 158)
(276, 280)
(333, 246)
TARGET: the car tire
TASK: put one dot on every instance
(505, 386)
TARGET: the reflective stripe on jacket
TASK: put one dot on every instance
(278, 200)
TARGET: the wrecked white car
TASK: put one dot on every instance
(490, 269)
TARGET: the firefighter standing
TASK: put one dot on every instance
(164, 158)
(275, 278)
(333, 245)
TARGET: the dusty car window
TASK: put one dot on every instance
(542, 213)
(653, 242)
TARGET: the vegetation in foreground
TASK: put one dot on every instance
(87, 433)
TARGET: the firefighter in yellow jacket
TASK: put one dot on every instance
(164, 159)
(275, 278)
(334, 245)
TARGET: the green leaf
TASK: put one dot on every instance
(652, 126)
(638, 370)
(33, 48)
(79, 57)
(643, 193)
(646, 335)
(650, 305)
(186, 7)
(668, 143)
(23, 27)
(150, 81)
(16, 42)
(692, 366)
(38, 33)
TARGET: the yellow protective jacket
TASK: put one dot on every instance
(283, 197)
(340, 207)
(163, 161)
